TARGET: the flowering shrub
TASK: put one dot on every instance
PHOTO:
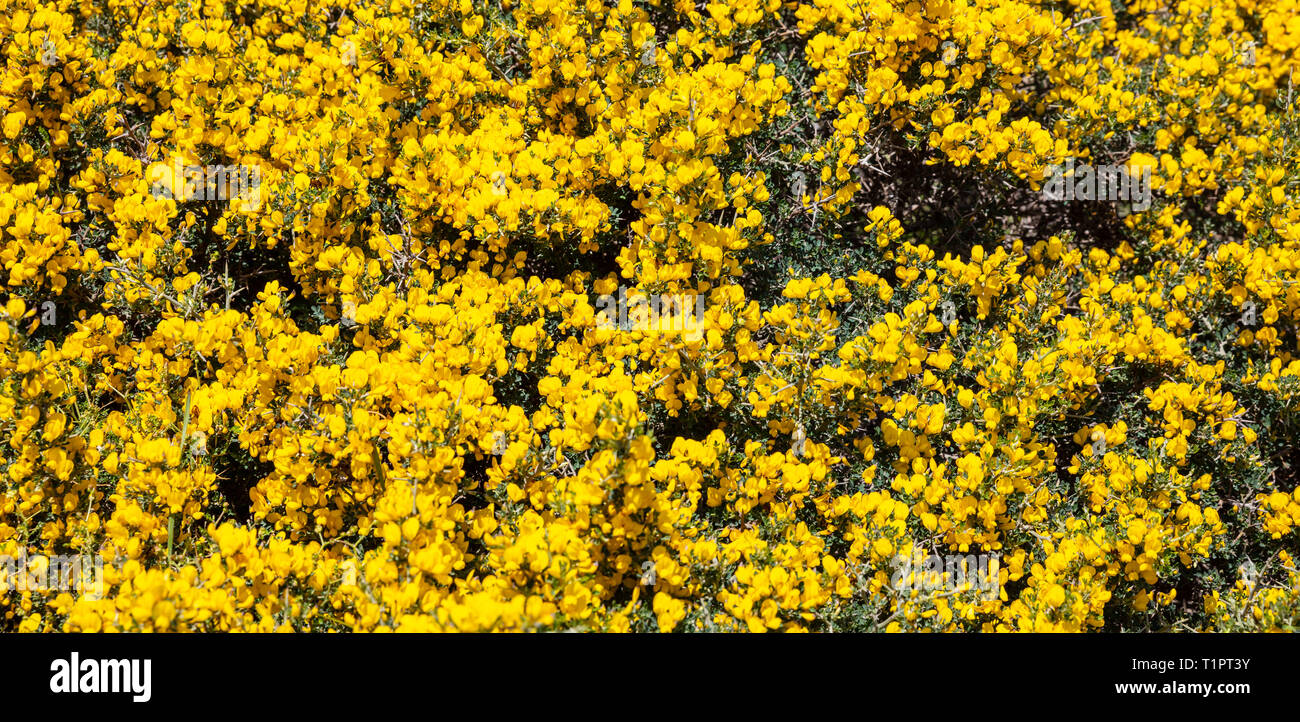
(387, 390)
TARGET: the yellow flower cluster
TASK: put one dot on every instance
(382, 395)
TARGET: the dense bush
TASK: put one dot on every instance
(386, 393)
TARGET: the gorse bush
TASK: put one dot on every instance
(386, 389)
